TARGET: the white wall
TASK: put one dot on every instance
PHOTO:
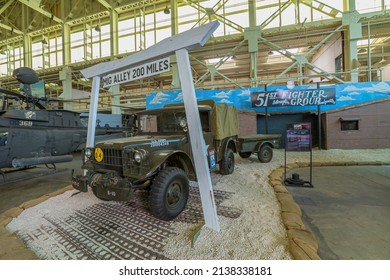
(385, 73)
(325, 57)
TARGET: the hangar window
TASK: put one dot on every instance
(349, 124)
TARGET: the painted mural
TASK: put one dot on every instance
(346, 95)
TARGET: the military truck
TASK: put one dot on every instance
(159, 158)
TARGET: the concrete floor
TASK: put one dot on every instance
(348, 210)
(24, 185)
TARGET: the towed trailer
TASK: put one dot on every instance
(260, 144)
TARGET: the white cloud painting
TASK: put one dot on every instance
(159, 98)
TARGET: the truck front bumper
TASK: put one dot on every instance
(80, 182)
(106, 185)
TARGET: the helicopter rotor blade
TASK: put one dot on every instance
(29, 99)
(11, 93)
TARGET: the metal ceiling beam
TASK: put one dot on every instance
(5, 6)
(105, 4)
(34, 4)
(212, 12)
(334, 13)
(9, 28)
(275, 15)
(218, 64)
(301, 59)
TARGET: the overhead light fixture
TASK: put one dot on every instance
(270, 53)
(166, 10)
(97, 28)
(44, 41)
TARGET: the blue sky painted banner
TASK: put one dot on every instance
(346, 95)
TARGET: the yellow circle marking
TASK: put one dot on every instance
(98, 154)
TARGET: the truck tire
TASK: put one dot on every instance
(245, 154)
(169, 193)
(265, 154)
(226, 166)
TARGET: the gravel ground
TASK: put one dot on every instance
(258, 233)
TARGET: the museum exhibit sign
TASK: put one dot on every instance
(298, 139)
(306, 97)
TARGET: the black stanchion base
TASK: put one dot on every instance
(295, 181)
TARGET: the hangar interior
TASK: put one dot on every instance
(259, 42)
(263, 42)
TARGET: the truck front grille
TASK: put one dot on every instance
(112, 159)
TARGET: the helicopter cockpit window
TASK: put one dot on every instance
(3, 138)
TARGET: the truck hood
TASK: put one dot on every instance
(142, 142)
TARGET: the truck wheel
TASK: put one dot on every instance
(265, 154)
(245, 154)
(169, 193)
(226, 165)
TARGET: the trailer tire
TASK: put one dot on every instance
(169, 193)
(226, 165)
(265, 154)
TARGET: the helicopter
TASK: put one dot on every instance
(31, 136)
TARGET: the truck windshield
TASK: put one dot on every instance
(161, 122)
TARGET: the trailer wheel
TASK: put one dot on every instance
(169, 193)
(226, 165)
(265, 154)
(245, 154)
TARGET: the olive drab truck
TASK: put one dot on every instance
(159, 158)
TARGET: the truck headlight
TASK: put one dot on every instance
(88, 153)
(139, 155)
(183, 125)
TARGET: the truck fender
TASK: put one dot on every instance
(164, 158)
(227, 143)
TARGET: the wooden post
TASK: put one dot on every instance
(198, 146)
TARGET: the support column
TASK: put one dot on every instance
(65, 76)
(115, 99)
(114, 32)
(174, 30)
(252, 34)
(301, 60)
(27, 57)
(352, 35)
(27, 42)
(212, 70)
(66, 56)
(175, 72)
(174, 17)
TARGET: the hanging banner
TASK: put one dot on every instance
(306, 97)
(138, 72)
